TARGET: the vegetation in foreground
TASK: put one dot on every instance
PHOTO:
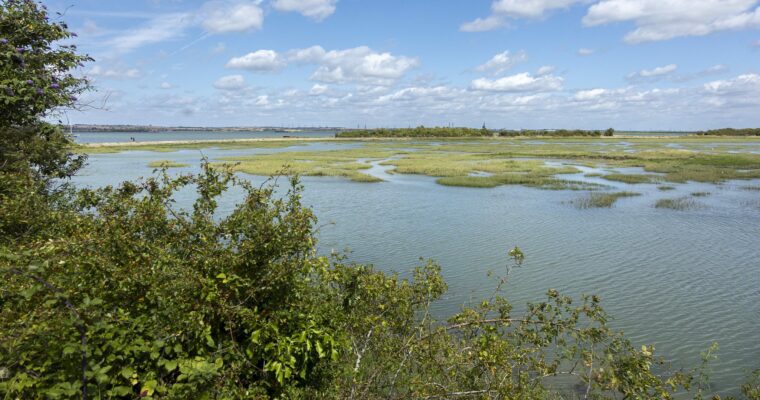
(117, 293)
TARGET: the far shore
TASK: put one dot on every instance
(371, 139)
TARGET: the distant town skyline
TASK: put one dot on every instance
(588, 64)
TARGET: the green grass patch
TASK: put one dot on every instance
(342, 163)
(96, 148)
(536, 181)
(632, 178)
(167, 164)
(680, 203)
(665, 188)
(602, 200)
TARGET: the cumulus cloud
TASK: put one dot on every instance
(357, 65)
(314, 9)
(503, 9)
(545, 70)
(652, 74)
(741, 92)
(531, 8)
(166, 85)
(223, 16)
(585, 52)
(502, 62)
(483, 24)
(741, 84)
(523, 82)
(113, 73)
(318, 89)
(259, 61)
(661, 20)
(230, 82)
(590, 94)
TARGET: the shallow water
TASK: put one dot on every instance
(676, 279)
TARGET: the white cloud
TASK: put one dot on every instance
(530, 8)
(545, 70)
(502, 9)
(716, 69)
(166, 85)
(314, 9)
(483, 24)
(741, 92)
(260, 61)
(158, 29)
(523, 82)
(591, 94)
(358, 65)
(661, 20)
(231, 16)
(654, 73)
(741, 84)
(230, 82)
(113, 73)
(502, 62)
(585, 52)
(318, 89)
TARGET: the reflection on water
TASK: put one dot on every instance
(677, 279)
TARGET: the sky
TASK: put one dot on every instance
(514, 64)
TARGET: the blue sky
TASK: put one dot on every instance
(627, 64)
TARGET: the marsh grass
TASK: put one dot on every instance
(167, 164)
(700, 194)
(96, 148)
(632, 178)
(602, 200)
(755, 188)
(342, 163)
(665, 188)
(509, 161)
(536, 181)
(680, 203)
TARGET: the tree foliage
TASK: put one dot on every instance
(36, 78)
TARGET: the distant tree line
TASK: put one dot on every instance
(446, 132)
(557, 132)
(731, 132)
(420, 131)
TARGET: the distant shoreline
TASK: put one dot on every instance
(375, 139)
